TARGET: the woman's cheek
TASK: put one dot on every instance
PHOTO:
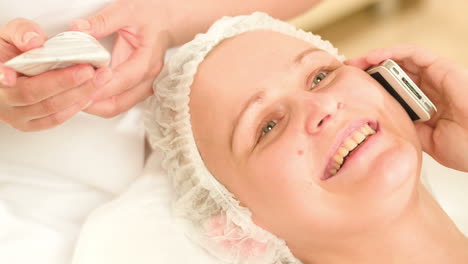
(290, 160)
(360, 87)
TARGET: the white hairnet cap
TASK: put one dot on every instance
(210, 214)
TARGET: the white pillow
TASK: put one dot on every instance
(138, 227)
(449, 188)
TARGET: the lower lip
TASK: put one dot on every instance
(360, 150)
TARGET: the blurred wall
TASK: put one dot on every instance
(357, 26)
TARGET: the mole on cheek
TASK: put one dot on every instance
(300, 152)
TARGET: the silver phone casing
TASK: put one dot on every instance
(394, 75)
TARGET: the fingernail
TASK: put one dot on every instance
(2, 78)
(28, 36)
(103, 77)
(82, 25)
(83, 75)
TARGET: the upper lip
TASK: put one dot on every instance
(344, 133)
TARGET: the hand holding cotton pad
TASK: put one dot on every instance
(63, 50)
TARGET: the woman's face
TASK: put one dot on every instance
(273, 118)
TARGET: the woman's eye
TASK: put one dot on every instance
(268, 127)
(318, 78)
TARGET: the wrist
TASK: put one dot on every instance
(179, 25)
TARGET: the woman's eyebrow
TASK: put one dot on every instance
(260, 95)
(298, 59)
(257, 98)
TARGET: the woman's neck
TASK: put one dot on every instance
(423, 234)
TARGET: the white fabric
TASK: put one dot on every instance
(449, 188)
(51, 180)
(139, 227)
(210, 214)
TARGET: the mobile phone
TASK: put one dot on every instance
(404, 90)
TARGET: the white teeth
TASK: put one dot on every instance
(343, 152)
(369, 130)
(350, 144)
(358, 136)
(338, 159)
(364, 130)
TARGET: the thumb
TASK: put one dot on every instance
(360, 63)
(426, 137)
(103, 23)
(7, 77)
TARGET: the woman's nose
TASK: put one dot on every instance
(320, 110)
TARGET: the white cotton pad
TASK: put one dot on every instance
(63, 50)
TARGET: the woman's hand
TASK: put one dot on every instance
(46, 100)
(444, 136)
(138, 56)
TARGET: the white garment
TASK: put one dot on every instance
(139, 227)
(51, 180)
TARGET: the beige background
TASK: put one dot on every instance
(441, 25)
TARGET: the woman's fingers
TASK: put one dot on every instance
(23, 34)
(105, 22)
(137, 57)
(129, 74)
(425, 133)
(7, 77)
(31, 99)
(58, 102)
(120, 103)
(17, 36)
(46, 100)
(410, 57)
(53, 120)
(417, 56)
(121, 51)
(445, 142)
(32, 90)
(132, 82)
(359, 62)
(372, 58)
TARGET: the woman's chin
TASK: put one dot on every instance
(399, 168)
(378, 169)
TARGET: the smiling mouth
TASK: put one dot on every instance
(348, 146)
